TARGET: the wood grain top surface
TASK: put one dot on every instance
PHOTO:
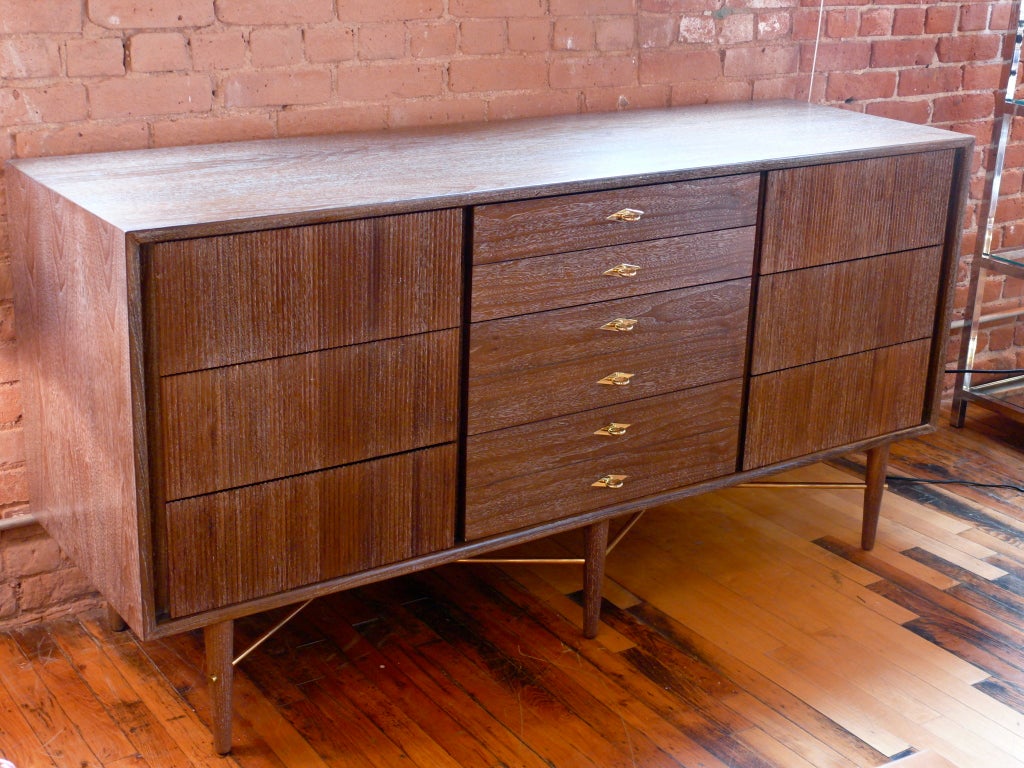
(158, 194)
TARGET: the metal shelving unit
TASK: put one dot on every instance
(1004, 395)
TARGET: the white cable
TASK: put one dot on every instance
(817, 42)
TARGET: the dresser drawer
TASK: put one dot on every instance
(546, 471)
(249, 423)
(236, 298)
(262, 539)
(539, 283)
(572, 222)
(816, 314)
(815, 407)
(841, 211)
(533, 367)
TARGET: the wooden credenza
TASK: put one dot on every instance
(261, 372)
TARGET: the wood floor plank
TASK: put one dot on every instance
(18, 743)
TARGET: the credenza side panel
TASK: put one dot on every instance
(71, 292)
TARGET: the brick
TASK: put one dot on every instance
(209, 130)
(969, 48)
(374, 82)
(8, 600)
(27, 16)
(432, 40)
(902, 53)
(309, 121)
(959, 107)
(633, 97)
(529, 35)
(875, 22)
(392, 10)
(511, 106)
(762, 61)
(847, 55)
(483, 9)
(773, 26)
(330, 44)
(34, 555)
(672, 66)
(908, 22)
(276, 88)
(805, 24)
(860, 86)
(7, 328)
(615, 34)
(1002, 16)
(573, 34)
(12, 447)
(710, 93)
(381, 41)
(973, 17)
(656, 31)
(778, 88)
(10, 403)
(81, 137)
(910, 112)
(437, 111)
(265, 12)
(63, 102)
(158, 52)
(217, 50)
(940, 19)
(982, 77)
(150, 14)
(482, 37)
(590, 71)
(915, 82)
(591, 7)
(95, 57)
(842, 23)
(508, 73)
(29, 57)
(736, 28)
(10, 365)
(669, 6)
(48, 589)
(276, 46)
(150, 95)
(697, 29)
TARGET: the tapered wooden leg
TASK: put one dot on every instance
(114, 621)
(878, 462)
(220, 673)
(595, 544)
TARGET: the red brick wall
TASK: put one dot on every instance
(86, 75)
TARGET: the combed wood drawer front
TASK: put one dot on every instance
(572, 222)
(533, 367)
(243, 424)
(545, 471)
(520, 286)
(236, 298)
(815, 314)
(840, 211)
(262, 539)
(823, 405)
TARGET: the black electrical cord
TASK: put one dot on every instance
(1005, 371)
(971, 483)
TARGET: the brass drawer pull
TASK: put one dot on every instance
(618, 379)
(610, 481)
(623, 270)
(626, 214)
(620, 324)
(614, 429)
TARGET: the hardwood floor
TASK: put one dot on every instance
(742, 628)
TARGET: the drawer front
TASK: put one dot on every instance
(249, 423)
(540, 283)
(237, 298)
(308, 529)
(533, 367)
(545, 471)
(841, 211)
(572, 222)
(816, 314)
(815, 407)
